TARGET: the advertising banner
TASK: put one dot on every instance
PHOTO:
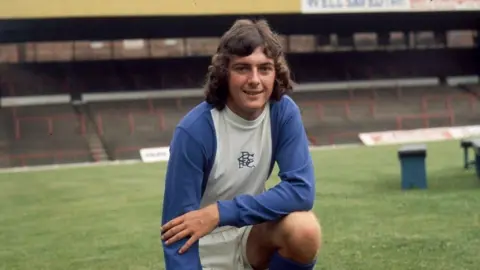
(365, 6)
(156, 154)
(419, 135)
(353, 6)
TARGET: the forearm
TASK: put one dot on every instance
(295, 193)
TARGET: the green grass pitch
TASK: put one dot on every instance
(108, 217)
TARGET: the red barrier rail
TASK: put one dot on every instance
(59, 155)
(425, 117)
(159, 113)
(151, 107)
(131, 119)
(179, 103)
(448, 101)
(471, 100)
(50, 122)
(319, 106)
(371, 92)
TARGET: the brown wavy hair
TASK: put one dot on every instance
(241, 40)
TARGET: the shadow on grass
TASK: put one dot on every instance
(444, 180)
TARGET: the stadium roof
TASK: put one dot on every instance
(204, 26)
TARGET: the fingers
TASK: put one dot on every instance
(174, 222)
(189, 243)
(178, 236)
(173, 231)
(183, 227)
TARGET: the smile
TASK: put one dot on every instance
(252, 93)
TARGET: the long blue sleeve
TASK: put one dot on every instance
(295, 192)
(183, 194)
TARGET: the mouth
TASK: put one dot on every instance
(253, 93)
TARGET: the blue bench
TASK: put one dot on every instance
(413, 166)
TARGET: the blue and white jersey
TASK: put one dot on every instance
(219, 157)
(242, 158)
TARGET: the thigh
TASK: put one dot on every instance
(258, 246)
(222, 250)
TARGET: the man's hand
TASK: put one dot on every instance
(195, 224)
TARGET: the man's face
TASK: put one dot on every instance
(250, 83)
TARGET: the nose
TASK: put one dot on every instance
(254, 79)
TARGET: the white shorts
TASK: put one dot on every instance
(225, 249)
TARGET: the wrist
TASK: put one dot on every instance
(215, 213)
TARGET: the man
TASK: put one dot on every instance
(216, 211)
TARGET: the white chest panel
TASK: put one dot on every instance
(243, 156)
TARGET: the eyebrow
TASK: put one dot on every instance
(248, 64)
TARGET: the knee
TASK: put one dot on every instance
(300, 236)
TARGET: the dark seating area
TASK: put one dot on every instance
(172, 73)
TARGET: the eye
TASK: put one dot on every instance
(241, 69)
(265, 69)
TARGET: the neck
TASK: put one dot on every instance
(247, 115)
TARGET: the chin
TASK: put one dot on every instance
(254, 105)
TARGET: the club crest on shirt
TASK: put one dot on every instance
(246, 159)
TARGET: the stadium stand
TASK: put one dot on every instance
(357, 85)
(129, 126)
(64, 133)
(47, 132)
